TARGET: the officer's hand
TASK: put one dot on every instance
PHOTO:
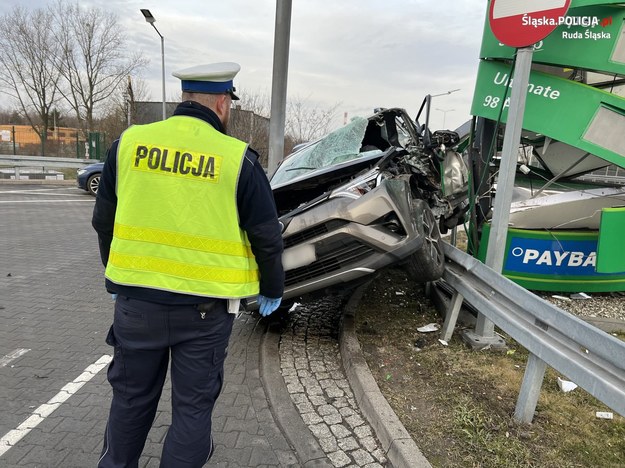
(267, 305)
(114, 296)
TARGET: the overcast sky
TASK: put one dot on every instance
(359, 53)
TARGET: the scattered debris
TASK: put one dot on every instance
(420, 344)
(400, 293)
(580, 296)
(562, 298)
(604, 415)
(443, 342)
(430, 327)
(8, 274)
(566, 385)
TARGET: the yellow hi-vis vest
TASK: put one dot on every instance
(176, 223)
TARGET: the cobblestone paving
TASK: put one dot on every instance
(312, 369)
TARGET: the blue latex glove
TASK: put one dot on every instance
(113, 296)
(267, 305)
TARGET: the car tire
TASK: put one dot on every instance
(427, 263)
(93, 183)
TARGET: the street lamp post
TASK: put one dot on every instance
(444, 111)
(443, 94)
(150, 19)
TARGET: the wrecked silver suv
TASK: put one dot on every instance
(371, 194)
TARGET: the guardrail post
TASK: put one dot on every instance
(593, 359)
(530, 389)
(451, 316)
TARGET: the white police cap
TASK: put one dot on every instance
(213, 78)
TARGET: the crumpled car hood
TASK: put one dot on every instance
(330, 161)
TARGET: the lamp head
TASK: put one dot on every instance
(148, 16)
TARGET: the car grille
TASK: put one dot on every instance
(334, 260)
(313, 232)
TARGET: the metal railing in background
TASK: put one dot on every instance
(591, 358)
(16, 163)
(9, 160)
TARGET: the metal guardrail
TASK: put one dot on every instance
(42, 161)
(588, 356)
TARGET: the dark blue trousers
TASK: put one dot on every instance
(143, 335)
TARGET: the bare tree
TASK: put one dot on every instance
(27, 73)
(258, 102)
(93, 61)
(305, 121)
(249, 121)
(120, 109)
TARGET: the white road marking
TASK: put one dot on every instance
(71, 200)
(12, 356)
(14, 436)
(39, 191)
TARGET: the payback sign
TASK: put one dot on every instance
(517, 23)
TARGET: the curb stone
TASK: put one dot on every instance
(399, 446)
(287, 416)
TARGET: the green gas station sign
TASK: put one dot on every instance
(554, 261)
(574, 113)
(592, 38)
(583, 3)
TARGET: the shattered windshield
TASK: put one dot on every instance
(344, 144)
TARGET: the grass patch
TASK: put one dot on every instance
(69, 173)
(458, 404)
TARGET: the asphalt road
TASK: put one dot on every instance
(285, 402)
(54, 316)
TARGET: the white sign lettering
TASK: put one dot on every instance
(557, 258)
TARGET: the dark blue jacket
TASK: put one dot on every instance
(257, 216)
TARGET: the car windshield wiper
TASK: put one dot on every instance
(299, 168)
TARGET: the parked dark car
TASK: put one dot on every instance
(374, 193)
(88, 177)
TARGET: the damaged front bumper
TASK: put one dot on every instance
(342, 240)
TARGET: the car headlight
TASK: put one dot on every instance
(81, 171)
(357, 187)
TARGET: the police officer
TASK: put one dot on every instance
(187, 227)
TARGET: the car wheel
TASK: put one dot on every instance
(93, 183)
(427, 263)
